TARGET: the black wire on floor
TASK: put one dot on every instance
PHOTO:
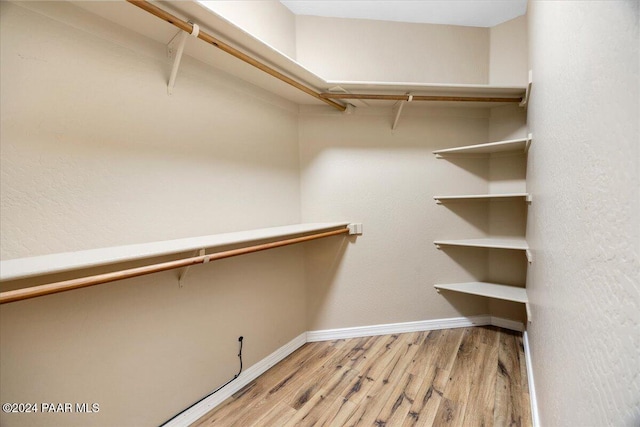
(214, 391)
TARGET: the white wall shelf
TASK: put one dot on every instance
(493, 243)
(490, 290)
(483, 197)
(55, 263)
(509, 146)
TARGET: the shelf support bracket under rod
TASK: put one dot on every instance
(181, 39)
(399, 111)
(183, 271)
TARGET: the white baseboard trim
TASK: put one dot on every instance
(422, 325)
(507, 324)
(535, 416)
(197, 411)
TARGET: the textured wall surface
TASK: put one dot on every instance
(95, 153)
(583, 225)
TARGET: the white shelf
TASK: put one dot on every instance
(491, 290)
(525, 196)
(67, 261)
(512, 145)
(444, 89)
(495, 243)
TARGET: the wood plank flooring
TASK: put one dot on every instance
(455, 377)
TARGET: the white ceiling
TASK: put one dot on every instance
(476, 13)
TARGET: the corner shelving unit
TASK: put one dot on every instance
(487, 289)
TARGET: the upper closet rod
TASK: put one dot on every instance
(202, 35)
(417, 97)
(67, 285)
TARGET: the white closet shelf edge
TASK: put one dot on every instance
(497, 243)
(512, 145)
(482, 196)
(67, 261)
(486, 289)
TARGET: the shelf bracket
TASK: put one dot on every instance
(527, 92)
(437, 246)
(183, 271)
(528, 309)
(529, 255)
(175, 49)
(528, 143)
(399, 111)
(529, 198)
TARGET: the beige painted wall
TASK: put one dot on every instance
(269, 21)
(94, 153)
(584, 175)
(356, 167)
(508, 48)
(367, 50)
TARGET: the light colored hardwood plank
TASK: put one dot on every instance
(526, 398)
(480, 402)
(456, 393)
(310, 413)
(448, 343)
(367, 412)
(509, 410)
(280, 411)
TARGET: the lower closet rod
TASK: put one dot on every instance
(82, 282)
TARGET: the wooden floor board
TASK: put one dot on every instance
(456, 377)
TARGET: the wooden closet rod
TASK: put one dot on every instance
(202, 35)
(417, 97)
(67, 285)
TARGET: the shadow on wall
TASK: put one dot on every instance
(322, 262)
(472, 260)
(466, 305)
(472, 212)
(475, 166)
